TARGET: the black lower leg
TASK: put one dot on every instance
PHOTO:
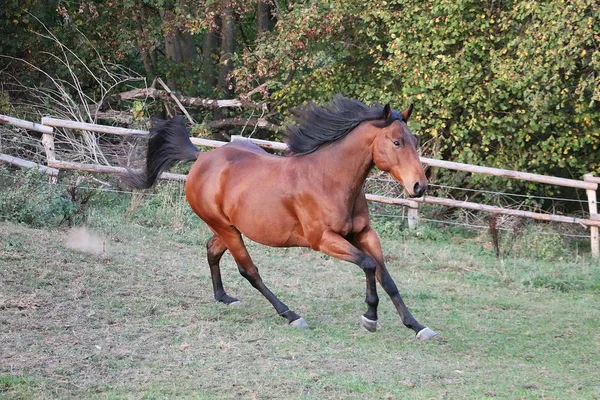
(371, 298)
(257, 282)
(391, 289)
(214, 253)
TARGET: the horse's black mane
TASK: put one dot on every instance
(318, 125)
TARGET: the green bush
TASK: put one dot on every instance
(27, 197)
(510, 84)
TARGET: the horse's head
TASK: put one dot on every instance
(395, 151)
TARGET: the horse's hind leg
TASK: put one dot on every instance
(233, 240)
(214, 251)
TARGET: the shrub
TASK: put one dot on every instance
(510, 84)
(27, 197)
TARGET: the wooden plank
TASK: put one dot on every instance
(595, 241)
(506, 211)
(593, 208)
(32, 126)
(552, 180)
(412, 203)
(207, 142)
(106, 169)
(27, 164)
(77, 125)
(392, 200)
(591, 178)
(262, 143)
(115, 130)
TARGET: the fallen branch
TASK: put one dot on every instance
(121, 117)
(175, 99)
(257, 89)
(239, 121)
(188, 101)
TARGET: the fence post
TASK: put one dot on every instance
(47, 137)
(413, 217)
(48, 142)
(593, 206)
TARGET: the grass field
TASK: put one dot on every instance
(130, 315)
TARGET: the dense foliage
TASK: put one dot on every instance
(27, 198)
(512, 84)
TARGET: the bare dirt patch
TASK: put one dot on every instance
(85, 240)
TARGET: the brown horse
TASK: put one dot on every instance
(313, 197)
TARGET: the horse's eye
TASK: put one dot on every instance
(397, 143)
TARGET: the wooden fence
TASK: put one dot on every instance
(589, 183)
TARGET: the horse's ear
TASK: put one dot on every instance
(387, 112)
(406, 113)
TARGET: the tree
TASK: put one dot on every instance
(226, 85)
(511, 84)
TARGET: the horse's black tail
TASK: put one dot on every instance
(168, 143)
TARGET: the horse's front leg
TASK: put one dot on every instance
(336, 246)
(368, 241)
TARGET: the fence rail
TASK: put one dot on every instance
(589, 183)
(28, 164)
(506, 173)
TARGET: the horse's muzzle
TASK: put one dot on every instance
(419, 189)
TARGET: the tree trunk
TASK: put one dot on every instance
(209, 47)
(172, 45)
(188, 50)
(145, 46)
(263, 16)
(226, 85)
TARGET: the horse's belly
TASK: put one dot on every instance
(271, 226)
(274, 240)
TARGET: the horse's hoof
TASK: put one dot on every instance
(227, 300)
(425, 334)
(368, 324)
(299, 323)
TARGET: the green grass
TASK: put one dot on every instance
(139, 321)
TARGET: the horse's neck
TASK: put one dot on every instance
(349, 160)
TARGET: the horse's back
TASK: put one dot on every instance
(213, 169)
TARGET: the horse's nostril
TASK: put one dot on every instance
(419, 189)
